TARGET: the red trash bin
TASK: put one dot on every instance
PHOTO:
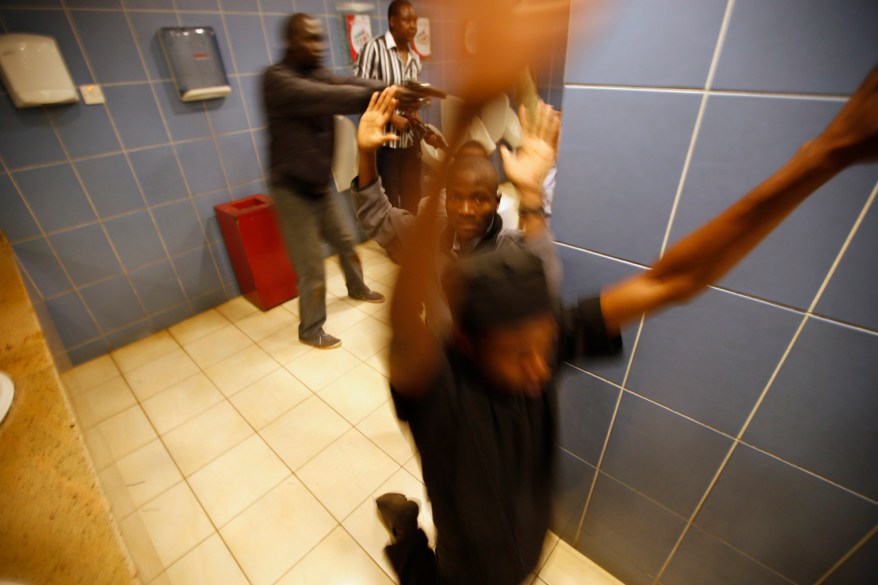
(263, 269)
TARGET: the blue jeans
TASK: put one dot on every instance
(305, 223)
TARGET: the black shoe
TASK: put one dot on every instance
(369, 296)
(398, 514)
(322, 341)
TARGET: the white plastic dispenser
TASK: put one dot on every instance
(34, 72)
(194, 58)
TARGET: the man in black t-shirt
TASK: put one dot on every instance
(482, 410)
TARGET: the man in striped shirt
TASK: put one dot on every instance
(392, 59)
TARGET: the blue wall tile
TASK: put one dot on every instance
(662, 455)
(742, 141)
(208, 300)
(157, 286)
(113, 303)
(860, 568)
(146, 26)
(586, 405)
(110, 185)
(197, 273)
(197, 5)
(310, 6)
(248, 42)
(228, 114)
(43, 266)
(130, 334)
(53, 23)
(84, 130)
(282, 6)
(28, 138)
(89, 351)
(585, 275)
(622, 525)
(227, 273)
(689, 358)
(178, 225)
(86, 254)
(16, 221)
(569, 492)
(159, 174)
(770, 46)
(201, 166)
(275, 33)
(820, 412)
(850, 295)
(704, 559)
(95, 3)
(204, 207)
(668, 44)
(109, 45)
(135, 239)
(149, 4)
(136, 115)
(619, 170)
(55, 197)
(239, 158)
(170, 317)
(185, 120)
(251, 91)
(788, 520)
(75, 326)
(238, 6)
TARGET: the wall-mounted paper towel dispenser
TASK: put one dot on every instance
(194, 59)
(34, 72)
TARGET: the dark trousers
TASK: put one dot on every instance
(305, 223)
(400, 171)
(414, 561)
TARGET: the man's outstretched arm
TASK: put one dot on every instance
(708, 253)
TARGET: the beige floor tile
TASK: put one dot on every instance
(162, 579)
(241, 369)
(273, 534)
(265, 400)
(260, 325)
(340, 316)
(304, 431)
(413, 466)
(207, 436)
(118, 436)
(357, 394)
(210, 563)
(142, 352)
(386, 277)
(548, 546)
(384, 429)
(198, 326)
(382, 313)
(566, 566)
(380, 362)
(292, 306)
(366, 338)
(181, 402)
(174, 522)
(148, 472)
(319, 367)
(143, 551)
(337, 560)
(284, 345)
(85, 376)
(102, 401)
(237, 478)
(163, 372)
(216, 346)
(346, 473)
(365, 527)
(237, 308)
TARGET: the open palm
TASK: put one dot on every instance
(528, 166)
(370, 132)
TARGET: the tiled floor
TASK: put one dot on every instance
(232, 454)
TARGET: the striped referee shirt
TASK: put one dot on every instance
(380, 59)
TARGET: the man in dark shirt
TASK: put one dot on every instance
(481, 409)
(300, 100)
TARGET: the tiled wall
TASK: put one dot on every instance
(736, 441)
(110, 207)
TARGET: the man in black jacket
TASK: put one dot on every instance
(300, 98)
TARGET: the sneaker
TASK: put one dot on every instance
(398, 514)
(322, 341)
(369, 297)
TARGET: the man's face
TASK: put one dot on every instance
(405, 24)
(471, 200)
(518, 359)
(308, 44)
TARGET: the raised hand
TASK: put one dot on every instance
(528, 166)
(370, 132)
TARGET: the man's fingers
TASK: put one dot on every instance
(372, 101)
